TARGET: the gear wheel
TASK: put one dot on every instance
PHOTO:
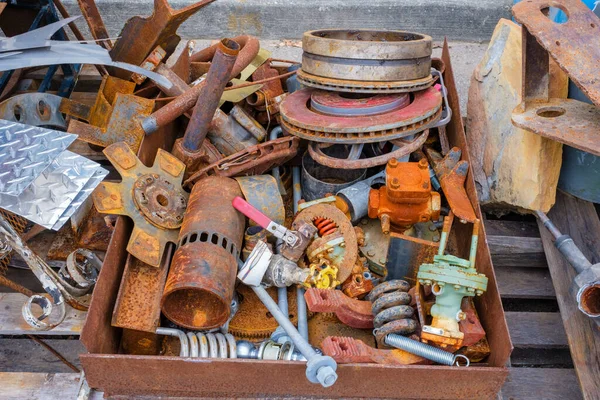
(152, 197)
(253, 321)
(344, 228)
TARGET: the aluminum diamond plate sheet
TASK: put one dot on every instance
(85, 192)
(48, 197)
(26, 151)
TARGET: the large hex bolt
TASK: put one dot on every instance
(319, 368)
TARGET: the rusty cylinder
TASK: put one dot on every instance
(201, 280)
(210, 95)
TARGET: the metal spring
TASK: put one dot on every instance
(205, 345)
(325, 226)
(390, 306)
(424, 350)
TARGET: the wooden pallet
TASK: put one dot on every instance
(541, 364)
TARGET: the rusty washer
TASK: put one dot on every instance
(201, 281)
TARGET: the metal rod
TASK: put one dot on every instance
(216, 80)
(474, 241)
(53, 351)
(548, 224)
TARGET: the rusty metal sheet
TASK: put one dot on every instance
(92, 16)
(322, 325)
(138, 302)
(263, 193)
(141, 35)
(151, 196)
(567, 121)
(574, 45)
(114, 116)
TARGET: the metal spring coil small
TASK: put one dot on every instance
(325, 226)
(424, 350)
(205, 345)
(390, 306)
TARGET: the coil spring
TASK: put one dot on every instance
(424, 350)
(390, 306)
(205, 345)
(325, 226)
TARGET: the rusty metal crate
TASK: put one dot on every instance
(118, 374)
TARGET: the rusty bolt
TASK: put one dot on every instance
(423, 163)
(393, 163)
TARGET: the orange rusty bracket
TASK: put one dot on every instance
(347, 350)
(114, 116)
(352, 312)
(141, 35)
(452, 174)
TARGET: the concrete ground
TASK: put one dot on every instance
(465, 56)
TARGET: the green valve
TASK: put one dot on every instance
(451, 279)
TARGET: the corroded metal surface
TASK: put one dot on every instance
(138, 303)
(148, 239)
(92, 16)
(352, 312)
(452, 174)
(254, 160)
(349, 252)
(253, 321)
(114, 115)
(345, 85)
(302, 120)
(201, 281)
(375, 245)
(366, 54)
(262, 192)
(391, 308)
(405, 254)
(141, 35)
(346, 350)
(357, 285)
(574, 45)
(405, 146)
(406, 198)
(322, 325)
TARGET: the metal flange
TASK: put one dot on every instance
(300, 118)
(152, 197)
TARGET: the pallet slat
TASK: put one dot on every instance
(538, 383)
(536, 330)
(12, 322)
(578, 219)
(524, 283)
(26, 355)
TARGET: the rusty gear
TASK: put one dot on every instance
(253, 321)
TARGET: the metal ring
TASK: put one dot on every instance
(461, 356)
(404, 149)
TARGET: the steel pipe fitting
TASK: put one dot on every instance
(201, 280)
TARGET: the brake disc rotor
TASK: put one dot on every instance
(320, 116)
(152, 197)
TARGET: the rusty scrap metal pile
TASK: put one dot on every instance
(304, 213)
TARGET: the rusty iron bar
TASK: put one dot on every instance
(216, 80)
(55, 352)
(249, 47)
(4, 281)
(92, 16)
(201, 279)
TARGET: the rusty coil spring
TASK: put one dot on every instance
(325, 226)
(391, 308)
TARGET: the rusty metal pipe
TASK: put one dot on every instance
(249, 47)
(186, 100)
(216, 80)
(201, 280)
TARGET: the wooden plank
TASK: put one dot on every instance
(31, 385)
(25, 355)
(536, 330)
(524, 283)
(23, 277)
(529, 260)
(578, 219)
(12, 323)
(514, 245)
(541, 383)
(496, 227)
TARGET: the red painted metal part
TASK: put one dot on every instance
(347, 350)
(360, 103)
(301, 120)
(352, 312)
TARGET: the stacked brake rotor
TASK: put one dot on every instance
(364, 87)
